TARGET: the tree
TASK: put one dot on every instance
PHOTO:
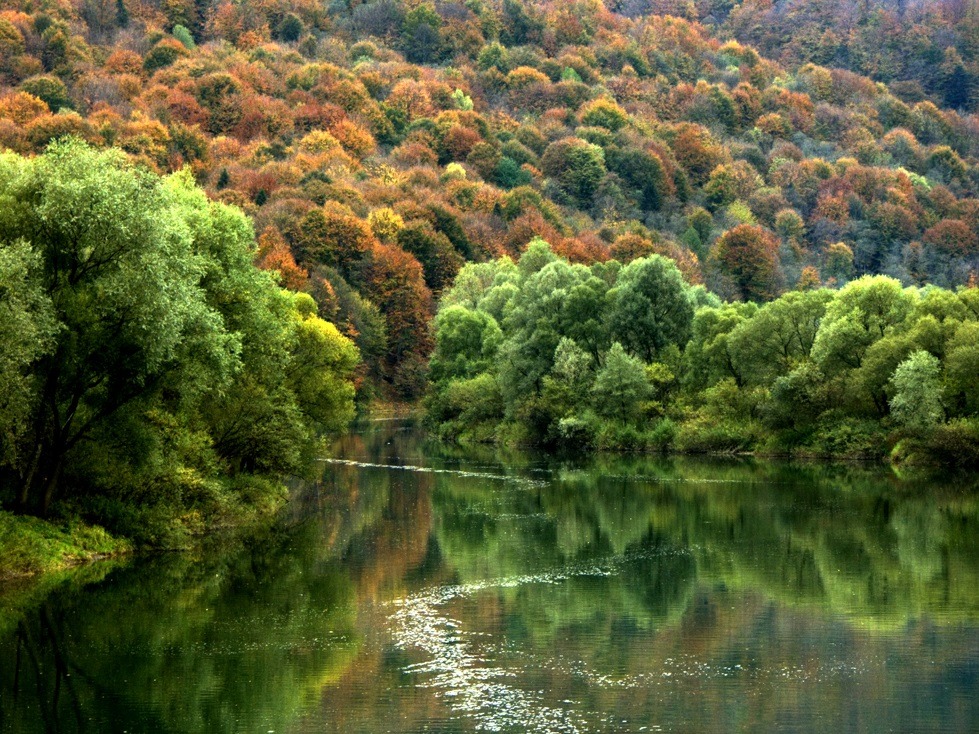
(917, 400)
(290, 28)
(644, 173)
(749, 254)
(320, 366)
(167, 354)
(780, 335)
(395, 282)
(49, 89)
(420, 37)
(123, 279)
(620, 385)
(331, 236)
(274, 254)
(466, 343)
(439, 259)
(711, 356)
(604, 112)
(649, 307)
(519, 26)
(27, 332)
(576, 167)
(182, 34)
(559, 300)
(962, 366)
(864, 311)
(721, 188)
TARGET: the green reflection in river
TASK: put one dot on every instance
(851, 539)
(815, 594)
(236, 638)
(420, 586)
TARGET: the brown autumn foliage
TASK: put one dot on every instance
(315, 125)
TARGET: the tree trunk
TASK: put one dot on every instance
(25, 488)
(51, 485)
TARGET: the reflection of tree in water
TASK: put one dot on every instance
(719, 568)
(710, 572)
(235, 639)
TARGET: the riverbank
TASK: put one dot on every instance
(30, 546)
(954, 445)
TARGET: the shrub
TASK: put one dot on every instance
(706, 434)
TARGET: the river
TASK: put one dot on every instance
(423, 588)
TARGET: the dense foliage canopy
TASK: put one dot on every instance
(147, 364)
(633, 357)
(380, 145)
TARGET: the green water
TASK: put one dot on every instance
(420, 588)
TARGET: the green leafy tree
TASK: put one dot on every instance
(27, 332)
(321, 363)
(576, 166)
(650, 307)
(420, 36)
(559, 300)
(863, 312)
(166, 353)
(620, 385)
(917, 401)
(711, 354)
(290, 28)
(644, 174)
(962, 368)
(466, 343)
(183, 34)
(51, 90)
(780, 335)
(124, 283)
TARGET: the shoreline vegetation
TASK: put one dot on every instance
(154, 383)
(632, 357)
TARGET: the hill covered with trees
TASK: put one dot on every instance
(380, 146)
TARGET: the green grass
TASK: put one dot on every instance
(30, 545)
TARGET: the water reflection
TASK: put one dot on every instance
(422, 587)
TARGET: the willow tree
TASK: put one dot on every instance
(146, 308)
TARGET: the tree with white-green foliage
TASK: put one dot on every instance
(650, 307)
(620, 385)
(917, 385)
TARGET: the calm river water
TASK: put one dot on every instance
(423, 588)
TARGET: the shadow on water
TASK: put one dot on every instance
(420, 586)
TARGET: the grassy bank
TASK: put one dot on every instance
(30, 545)
(77, 534)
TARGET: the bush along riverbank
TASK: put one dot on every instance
(632, 357)
(154, 384)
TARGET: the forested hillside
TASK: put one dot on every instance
(921, 48)
(379, 146)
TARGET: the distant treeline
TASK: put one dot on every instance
(633, 357)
